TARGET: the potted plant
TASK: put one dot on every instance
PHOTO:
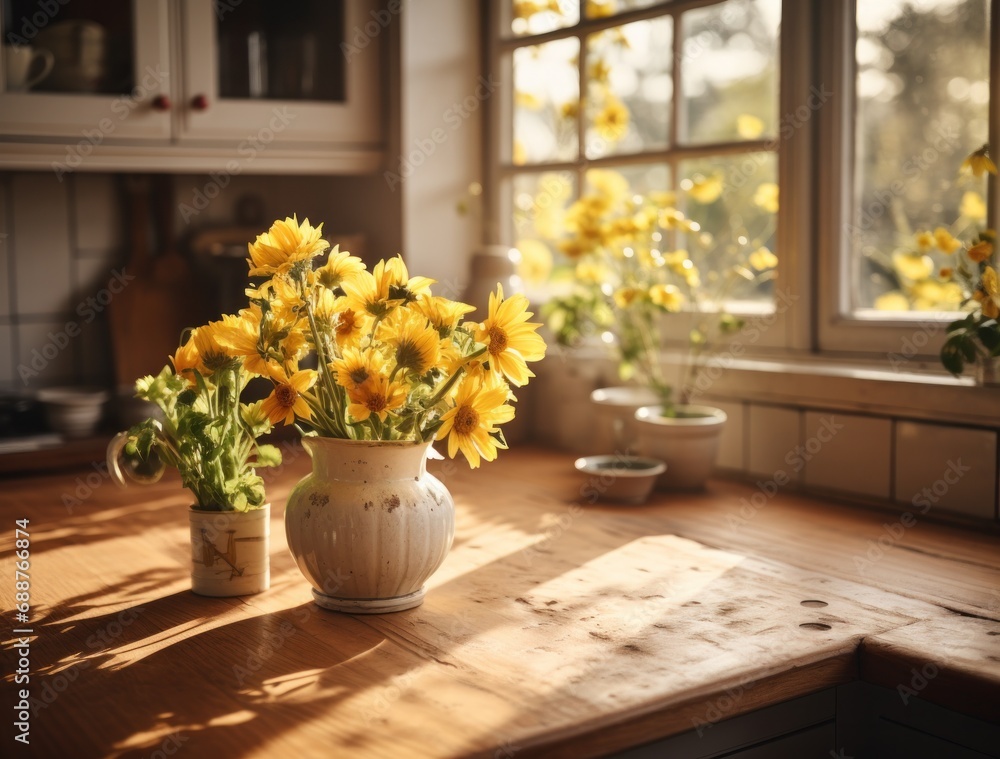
(975, 338)
(631, 272)
(396, 368)
(210, 438)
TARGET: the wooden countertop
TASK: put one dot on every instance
(552, 628)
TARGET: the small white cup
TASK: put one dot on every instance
(18, 62)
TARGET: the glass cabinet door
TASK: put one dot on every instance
(282, 51)
(284, 67)
(73, 66)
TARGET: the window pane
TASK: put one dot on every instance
(539, 204)
(922, 105)
(734, 201)
(546, 99)
(729, 67)
(629, 87)
(540, 16)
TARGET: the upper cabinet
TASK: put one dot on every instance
(251, 86)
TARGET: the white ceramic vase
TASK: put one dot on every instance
(617, 430)
(687, 442)
(229, 551)
(369, 525)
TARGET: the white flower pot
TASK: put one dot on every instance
(617, 429)
(229, 551)
(369, 525)
(688, 443)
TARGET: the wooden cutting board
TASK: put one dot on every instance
(149, 315)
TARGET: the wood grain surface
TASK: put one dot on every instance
(554, 628)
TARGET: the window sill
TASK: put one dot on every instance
(837, 384)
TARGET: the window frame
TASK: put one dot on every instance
(815, 173)
(916, 336)
(789, 327)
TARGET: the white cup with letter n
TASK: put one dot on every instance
(19, 63)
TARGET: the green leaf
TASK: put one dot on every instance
(952, 358)
(989, 336)
(268, 455)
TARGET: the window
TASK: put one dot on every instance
(678, 98)
(861, 112)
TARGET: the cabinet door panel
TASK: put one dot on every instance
(76, 100)
(257, 73)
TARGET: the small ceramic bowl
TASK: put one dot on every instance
(626, 479)
(73, 412)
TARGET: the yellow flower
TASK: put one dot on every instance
(981, 251)
(570, 109)
(601, 8)
(703, 189)
(213, 354)
(763, 259)
(443, 314)
(283, 245)
(626, 296)
(593, 272)
(480, 406)
(356, 368)
(609, 186)
(766, 197)
(385, 287)
(945, 241)
(186, 360)
(611, 122)
(979, 162)
(598, 70)
(667, 297)
(286, 399)
(988, 293)
(377, 396)
(973, 207)
(749, 127)
(892, 301)
(913, 265)
(924, 240)
(338, 267)
(527, 8)
(241, 335)
(936, 296)
(511, 340)
(527, 100)
(415, 340)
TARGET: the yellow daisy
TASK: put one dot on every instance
(356, 369)
(186, 360)
(214, 355)
(241, 335)
(981, 251)
(286, 399)
(443, 314)
(988, 293)
(611, 122)
(338, 267)
(480, 406)
(979, 162)
(703, 189)
(377, 396)
(945, 241)
(415, 341)
(510, 339)
(283, 245)
(668, 297)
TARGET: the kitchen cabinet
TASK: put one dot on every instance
(240, 86)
